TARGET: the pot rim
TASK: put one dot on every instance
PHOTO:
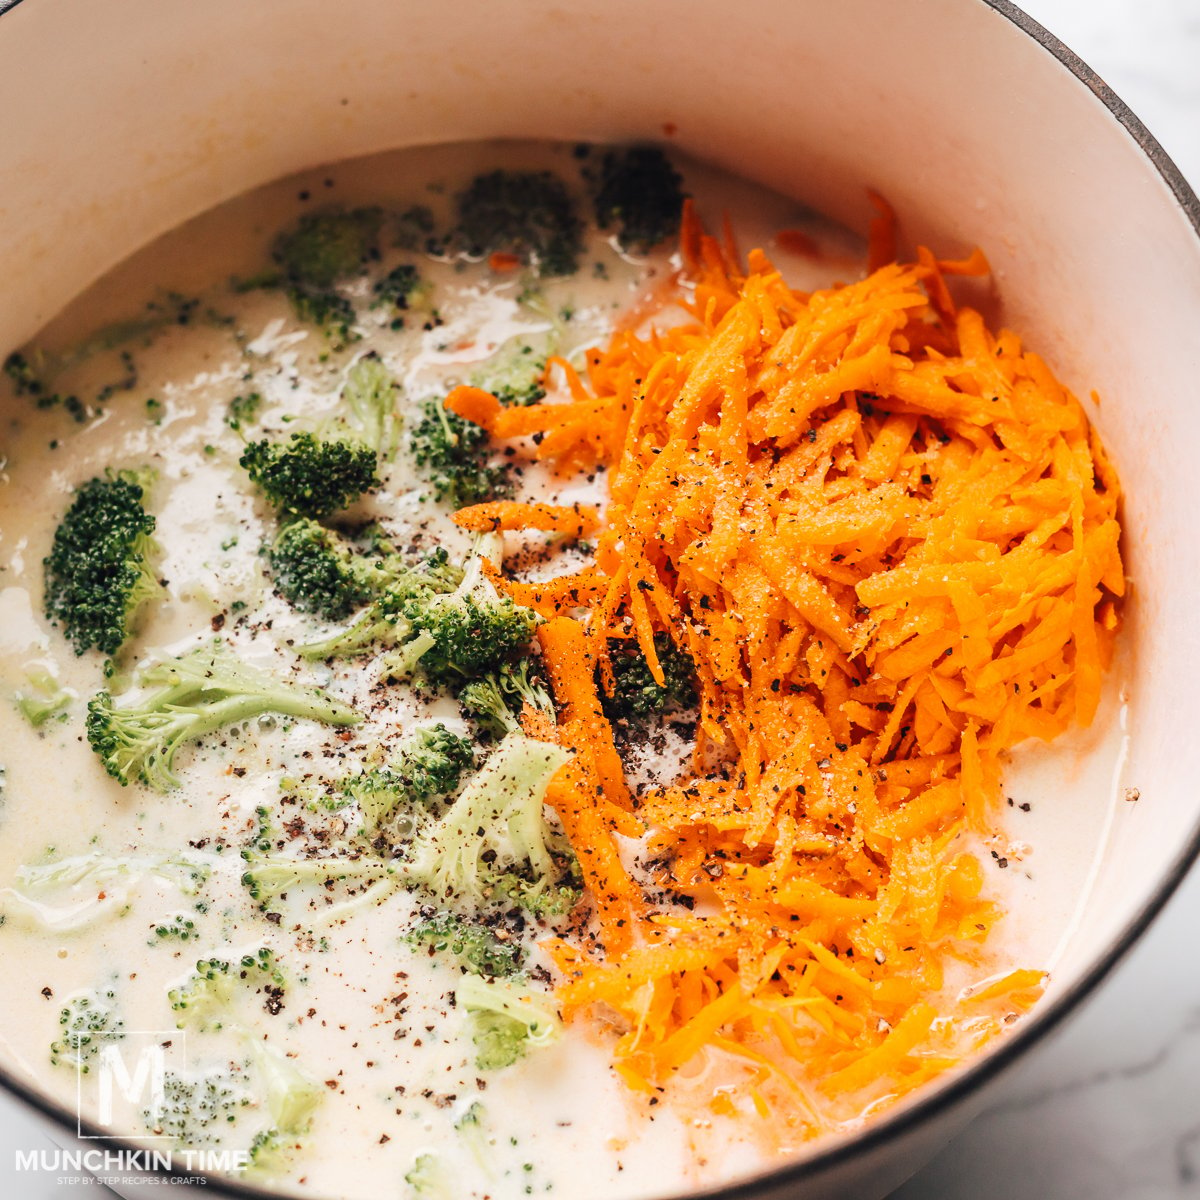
(893, 1125)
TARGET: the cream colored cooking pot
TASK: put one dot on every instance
(124, 117)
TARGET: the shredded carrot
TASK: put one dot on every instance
(577, 520)
(888, 539)
(503, 260)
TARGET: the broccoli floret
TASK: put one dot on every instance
(497, 700)
(270, 877)
(206, 999)
(42, 699)
(427, 765)
(197, 1110)
(243, 410)
(70, 894)
(328, 310)
(315, 570)
(475, 947)
(636, 696)
(640, 193)
(325, 247)
(450, 633)
(462, 635)
(196, 694)
(514, 377)
(383, 623)
(493, 841)
(314, 474)
(414, 228)
(291, 1097)
(177, 928)
(89, 1022)
(369, 395)
(28, 382)
(98, 571)
(471, 1127)
(321, 251)
(310, 476)
(507, 1020)
(528, 213)
(427, 1179)
(398, 287)
(454, 454)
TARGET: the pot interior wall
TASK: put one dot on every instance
(127, 117)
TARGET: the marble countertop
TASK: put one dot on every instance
(1109, 1108)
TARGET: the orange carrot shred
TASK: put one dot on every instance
(577, 520)
(889, 541)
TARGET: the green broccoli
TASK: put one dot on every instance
(461, 635)
(427, 765)
(291, 1097)
(243, 410)
(317, 571)
(42, 699)
(415, 229)
(496, 700)
(215, 1107)
(427, 1179)
(89, 1022)
(30, 382)
(493, 842)
(270, 877)
(70, 894)
(398, 287)
(328, 310)
(179, 927)
(472, 1128)
(474, 946)
(369, 396)
(640, 192)
(319, 252)
(515, 376)
(197, 693)
(98, 571)
(199, 1110)
(454, 455)
(507, 1020)
(384, 623)
(449, 633)
(325, 247)
(636, 697)
(317, 472)
(311, 477)
(528, 213)
(207, 997)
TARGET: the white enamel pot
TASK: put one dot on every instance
(124, 117)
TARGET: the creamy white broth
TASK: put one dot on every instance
(365, 1016)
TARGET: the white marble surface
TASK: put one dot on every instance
(1110, 1108)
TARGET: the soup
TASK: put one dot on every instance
(303, 713)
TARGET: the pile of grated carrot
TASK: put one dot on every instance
(888, 538)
